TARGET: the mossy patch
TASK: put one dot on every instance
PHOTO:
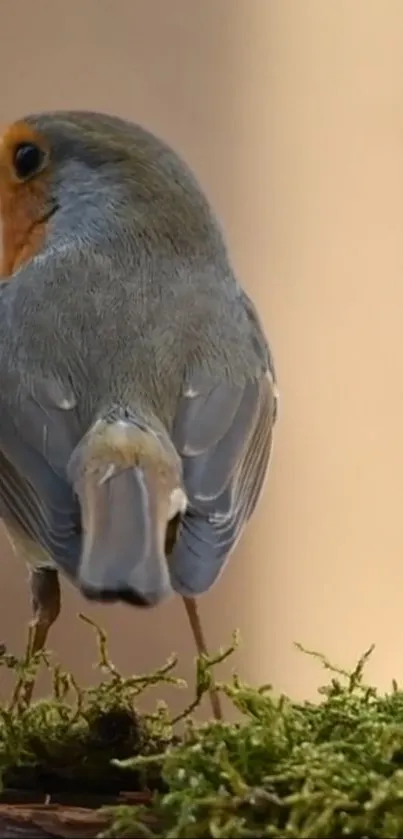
(327, 769)
(69, 741)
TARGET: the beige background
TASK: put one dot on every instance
(291, 113)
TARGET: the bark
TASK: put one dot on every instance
(61, 819)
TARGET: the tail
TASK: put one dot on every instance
(128, 479)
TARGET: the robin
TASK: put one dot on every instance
(138, 392)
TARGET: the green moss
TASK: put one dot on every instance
(330, 769)
(68, 742)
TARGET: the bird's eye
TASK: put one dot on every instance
(28, 160)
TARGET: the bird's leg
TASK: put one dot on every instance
(195, 623)
(193, 615)
(45, 602)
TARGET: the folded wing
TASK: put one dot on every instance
(37, 436)
(224, 435)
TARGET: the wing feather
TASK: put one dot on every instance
(34, 490)
(224, 481)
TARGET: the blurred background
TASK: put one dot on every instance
(291, 115)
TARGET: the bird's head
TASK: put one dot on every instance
(79, 170)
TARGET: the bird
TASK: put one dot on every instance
(138, 391)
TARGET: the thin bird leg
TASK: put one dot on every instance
(195, 623)
(193, 615)
(45, 602)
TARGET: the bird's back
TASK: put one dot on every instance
(135, 284)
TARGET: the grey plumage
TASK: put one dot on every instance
(130, 316)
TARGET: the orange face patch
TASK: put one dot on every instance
(24, 200)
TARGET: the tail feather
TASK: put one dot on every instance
(128, 480)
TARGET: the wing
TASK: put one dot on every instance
(37, 437)
(224, 435)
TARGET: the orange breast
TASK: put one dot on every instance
(22, 233)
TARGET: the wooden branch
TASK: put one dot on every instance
(58, 821)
